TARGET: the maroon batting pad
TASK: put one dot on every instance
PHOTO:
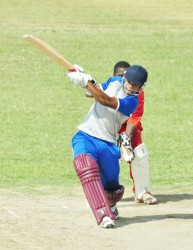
(88, 172)
(114, 197)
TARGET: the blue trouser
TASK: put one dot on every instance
(106, 155)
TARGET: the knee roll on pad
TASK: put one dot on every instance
(114, 197)
(88, 172)
(141, 151)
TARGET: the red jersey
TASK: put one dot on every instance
(135, 118)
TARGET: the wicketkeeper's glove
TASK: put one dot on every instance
(124, 143)
(124, 139)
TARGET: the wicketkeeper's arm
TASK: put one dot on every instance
(130, 129)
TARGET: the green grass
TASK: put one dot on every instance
(40, 110)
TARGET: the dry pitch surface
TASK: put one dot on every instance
(57, 221)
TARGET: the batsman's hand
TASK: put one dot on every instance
(78, 68)
(80, 79)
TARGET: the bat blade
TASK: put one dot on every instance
(49, 51)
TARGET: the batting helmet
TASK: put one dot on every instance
(137, 75)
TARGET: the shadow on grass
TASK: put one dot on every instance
(164, 198)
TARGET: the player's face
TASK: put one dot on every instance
(131, 88)
(121, 71)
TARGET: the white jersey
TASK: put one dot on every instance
(103, 122)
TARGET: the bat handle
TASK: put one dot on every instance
(72, 70)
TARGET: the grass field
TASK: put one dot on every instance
(40, 110)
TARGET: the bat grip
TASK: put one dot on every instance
(72, 70)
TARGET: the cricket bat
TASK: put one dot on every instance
(49, 51)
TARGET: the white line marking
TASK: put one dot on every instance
(64, 206)
(11, 212)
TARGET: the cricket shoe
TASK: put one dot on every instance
(115, 211)
(146, 198)
(107, 222)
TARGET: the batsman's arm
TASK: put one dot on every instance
(88, 82)
(88, 94)
(101, 97)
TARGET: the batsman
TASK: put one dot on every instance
(96, 155)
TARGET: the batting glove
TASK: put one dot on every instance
(80, 79)
(81, 69)
(78, 68)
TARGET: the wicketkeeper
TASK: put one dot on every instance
(96, 156)
(133, 150)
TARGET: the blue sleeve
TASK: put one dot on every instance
(111, 79)
(128, 105)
